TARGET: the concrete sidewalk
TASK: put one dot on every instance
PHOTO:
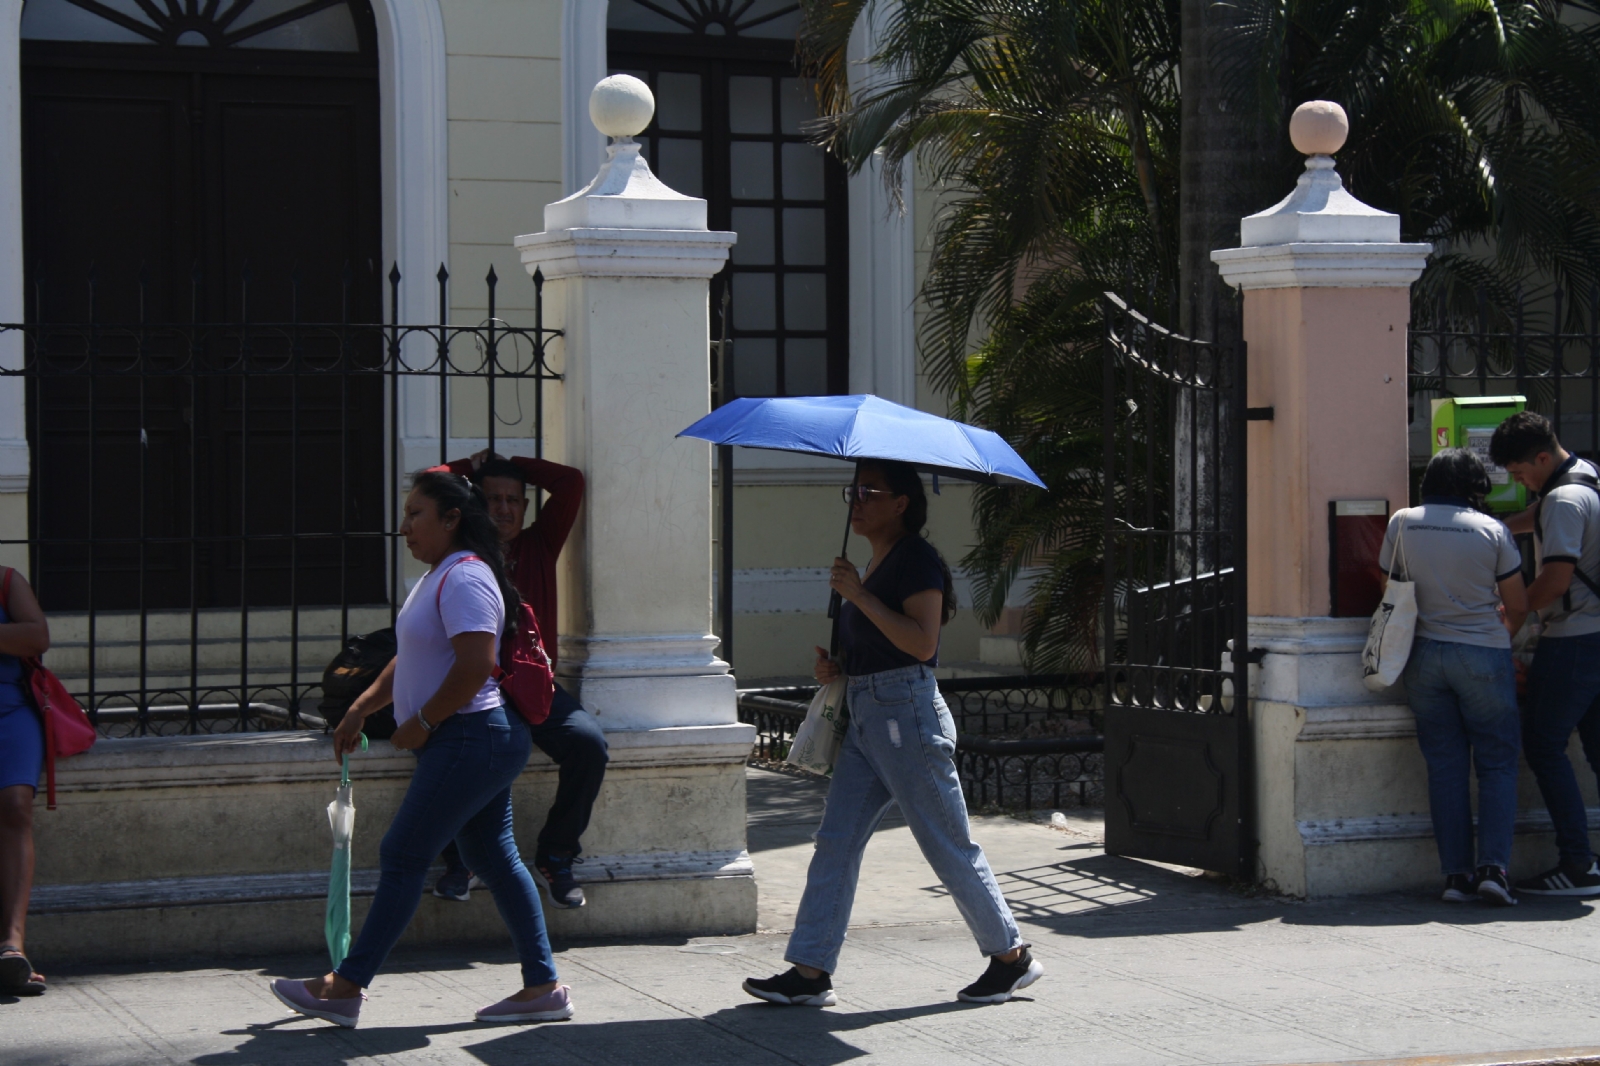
(1144, 965)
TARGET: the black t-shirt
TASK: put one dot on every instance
(912, 566)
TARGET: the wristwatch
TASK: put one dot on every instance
(426, 728)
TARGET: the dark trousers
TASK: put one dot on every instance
(577, 745)
(1563, 696)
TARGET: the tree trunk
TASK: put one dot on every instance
(1227, 156)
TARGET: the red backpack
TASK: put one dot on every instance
(527, 679)
(67, 730)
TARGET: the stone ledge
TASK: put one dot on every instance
(1361, 722)
(1331, 831)
(269, 888)
(274, 758)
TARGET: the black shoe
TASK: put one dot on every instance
(1458, 889)
(555, 873)
(792, 989)
(1562, 881)
(1002, 980)
(454, 884)
(1494, 888)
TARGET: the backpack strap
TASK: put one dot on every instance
(1572, 476)
(438, 592)
(5, 591)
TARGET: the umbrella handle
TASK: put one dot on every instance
(344, 764)
(836, 601)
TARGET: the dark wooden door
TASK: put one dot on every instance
(184, 208)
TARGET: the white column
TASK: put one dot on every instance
(13, 404)
(627, 262)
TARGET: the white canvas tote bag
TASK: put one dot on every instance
(816, 742)
(1394, 625)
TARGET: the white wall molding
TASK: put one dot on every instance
(1322, 265)
(583, 62)
(1331, 831)
(414, 105)
(625, 253)
(13, 397)
(883, 281)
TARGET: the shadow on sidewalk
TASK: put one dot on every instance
(746, 1035)
(1097, 895)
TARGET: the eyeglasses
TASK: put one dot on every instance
(864, 493)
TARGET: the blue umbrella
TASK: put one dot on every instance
(865, 427)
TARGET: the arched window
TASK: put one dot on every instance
(281, 25)
(714, 18)
(731, 126)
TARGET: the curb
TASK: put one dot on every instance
(1568, 1056)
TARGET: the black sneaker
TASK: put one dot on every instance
(555, 873)
(1494, 888)
(1458, 889)
(1562, 881)
(1002, 980)
(454, 884)
(792, 989)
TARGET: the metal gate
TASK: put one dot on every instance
(1177, 763)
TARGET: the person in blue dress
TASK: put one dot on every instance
(24, 633)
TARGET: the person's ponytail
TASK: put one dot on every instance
(903, 480)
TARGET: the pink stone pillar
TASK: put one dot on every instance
(1326, 284)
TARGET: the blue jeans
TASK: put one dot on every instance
(1563, 695)
(1465, 700)
(461, 790)
(577, 745)
(898, 749)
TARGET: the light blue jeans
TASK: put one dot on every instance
(1465, 701)
(899, 748)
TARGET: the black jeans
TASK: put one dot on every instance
(577, 745)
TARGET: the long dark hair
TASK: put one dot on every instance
(476, 532)
(903, 480)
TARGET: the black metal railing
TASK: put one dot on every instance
(1021, 742)
(214, 506)
(1548, 352)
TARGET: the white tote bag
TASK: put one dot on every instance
(816, 742)
(1394, 625)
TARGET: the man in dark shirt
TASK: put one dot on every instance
(570, 736)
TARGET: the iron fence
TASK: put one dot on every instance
(1020, 741)
(1548, 351)
(214, 506)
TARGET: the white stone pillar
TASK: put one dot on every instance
(1341, 797)
(627, 262)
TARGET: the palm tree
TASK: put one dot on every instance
(1058, 130)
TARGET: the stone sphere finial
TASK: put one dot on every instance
(621, 105)
(1319, 127)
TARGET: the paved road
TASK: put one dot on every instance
(1146, 965)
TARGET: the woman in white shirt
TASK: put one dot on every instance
(1459, 679)
(470, 749)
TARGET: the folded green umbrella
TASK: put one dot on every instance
(342, 820)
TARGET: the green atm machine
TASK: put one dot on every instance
(1469, 422)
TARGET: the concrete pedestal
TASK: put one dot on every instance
(1341, 787)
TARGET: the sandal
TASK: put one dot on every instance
(17, 975)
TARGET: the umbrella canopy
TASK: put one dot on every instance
(866, 427)
(342, 820)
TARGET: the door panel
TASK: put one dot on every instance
(236, 200)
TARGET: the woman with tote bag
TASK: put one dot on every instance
(1459, 680)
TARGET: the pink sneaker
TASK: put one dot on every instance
(553, 1006)
(293, 994)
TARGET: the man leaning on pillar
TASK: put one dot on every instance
(570, 736)
(1564, 680)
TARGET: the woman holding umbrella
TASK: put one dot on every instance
(470, 749)
(898, 748)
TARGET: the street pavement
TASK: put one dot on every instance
(1144, 965)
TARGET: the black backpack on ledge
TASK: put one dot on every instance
(351, 673)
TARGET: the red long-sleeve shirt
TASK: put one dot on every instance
(532, 556)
